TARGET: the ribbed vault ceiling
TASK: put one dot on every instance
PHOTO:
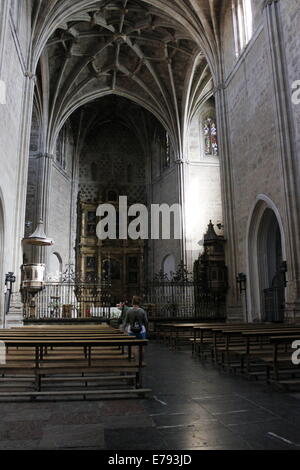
(148, 51)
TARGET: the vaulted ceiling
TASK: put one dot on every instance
(160, 54)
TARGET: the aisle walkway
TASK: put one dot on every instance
(193, 406)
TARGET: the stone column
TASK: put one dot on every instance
(15, 315)
(73, 208)
(4, 21)
(235, 309)
(286, 152)
(180, 176)
(43, 195)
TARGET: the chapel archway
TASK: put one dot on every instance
(267, 266)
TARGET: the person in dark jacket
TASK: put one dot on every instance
(136, 321)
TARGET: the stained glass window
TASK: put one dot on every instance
(210, 137)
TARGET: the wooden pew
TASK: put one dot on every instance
(72, 355)
(238, 341)
(280, 363)
(207, 336)
(174, 333)
(250, 345)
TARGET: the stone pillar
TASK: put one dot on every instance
(235, 309)
(180, 176)
(286, 153)
(73, 208)
(15, 314)
(4, 22)
(43, 195)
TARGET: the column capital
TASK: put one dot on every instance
(268, 3)
(30, 75)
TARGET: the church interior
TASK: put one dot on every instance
(180, 121)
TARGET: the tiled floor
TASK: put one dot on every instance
(193, 406)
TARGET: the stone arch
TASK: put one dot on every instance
(55, 266)
(88, 98)
(265, 250)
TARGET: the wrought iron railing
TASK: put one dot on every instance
(177, 296)
(59, 300)
(185, 300)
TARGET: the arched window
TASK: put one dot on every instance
(55, 267)
(242, 23)
(168, 266)
(210, 137)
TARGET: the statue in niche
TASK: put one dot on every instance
(111, 269)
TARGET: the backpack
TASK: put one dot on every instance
(136, 326)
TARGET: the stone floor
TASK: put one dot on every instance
(193, 406)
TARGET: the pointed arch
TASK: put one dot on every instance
(263, 223)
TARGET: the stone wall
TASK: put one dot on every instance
(14, 40)
(290, 17)
(112, 159)
(254, 126)
(202, 186)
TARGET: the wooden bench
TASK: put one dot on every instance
(280, 363)
(206, 337)
(176, 334)
(245, 343)
(51, 355)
